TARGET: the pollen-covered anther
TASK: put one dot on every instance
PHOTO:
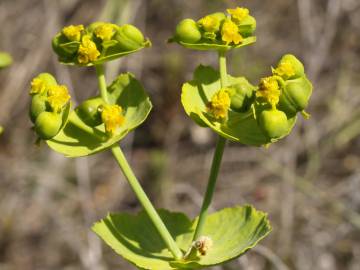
(112, 117)
(284, 69)
(209, 23)
(203, 244)
(38, 86)
(87, 51)
(230, 33)
(238, 14)
(220, 104)
(105, 31)
(73, 32)
(269, 90)
(58, 96)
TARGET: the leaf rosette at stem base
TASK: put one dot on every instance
(78, 139)
(238, 126)
(232, 231)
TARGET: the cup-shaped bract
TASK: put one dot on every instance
(217, 31)
(98, 43)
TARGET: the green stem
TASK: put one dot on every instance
(216, 162)
(134, 183)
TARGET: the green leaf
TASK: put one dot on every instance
(77, 139)
(5, 59)
(203, 46)
(232, 230)
(239, 127)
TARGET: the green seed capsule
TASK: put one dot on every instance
(289, 67)
(129, 37)
(47, 125)
(38, 105)
(247, 26)
(242, 96)
(187, 31)
(295, 96)
(273, 123)
(88, 111)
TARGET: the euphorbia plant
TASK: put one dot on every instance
(230, 106)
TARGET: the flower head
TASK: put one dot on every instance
(112, 117)
(238, 14)
(87, 51)
(285, 69)
(73, 32)
(209, 23)
(38, 86)
(58, 96)
(105, 31)
(220, 104)
(230, 32)
(269, 90)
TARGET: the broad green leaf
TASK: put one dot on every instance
(240, 127)
(5, 59)
(232, 230)
(219, 47)
(77, 139)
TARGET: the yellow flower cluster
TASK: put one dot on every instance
(269, 90)
(38, 86)
(58, 96)
(112, 117)
(238, 14)
(105, 31)
(87, 50)
(230, 32)
(209, 23)
(219, 104)
(285, 69)
(73, 32)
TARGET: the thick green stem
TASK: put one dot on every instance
(215, 166)
(145, 202)
(134, 183)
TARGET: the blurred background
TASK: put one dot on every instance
(309, 183)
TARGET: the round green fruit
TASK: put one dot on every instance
(88, 111)
(296, 65)
(38, 105)
(187, 31)
(129, 37)
(247, 26)
(47, 125)
(242, 96)
(273, 123)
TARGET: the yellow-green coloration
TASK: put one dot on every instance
(129, 37)
(41, 83)
(188, 31)
(105, 31)
(88, 111)
(47, 125)
(112, 117)
(269, 90)
(289, 67)
(219, 104)
(38, 105)
(209, 23)
(1, 130)
(284, 69)
(230, 33)
(88, 51)
(238, 14)
(73, 32)
(274, 123)
(58, 96)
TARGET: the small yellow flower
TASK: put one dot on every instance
(209, 23)
(58, 96)
(73, 32)
(105, 31)
(238, 14)
(230, 33)
(284, 69)
(87, 51)
(269, 90)
(219, 104)
(38, 86)
(112, 117)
